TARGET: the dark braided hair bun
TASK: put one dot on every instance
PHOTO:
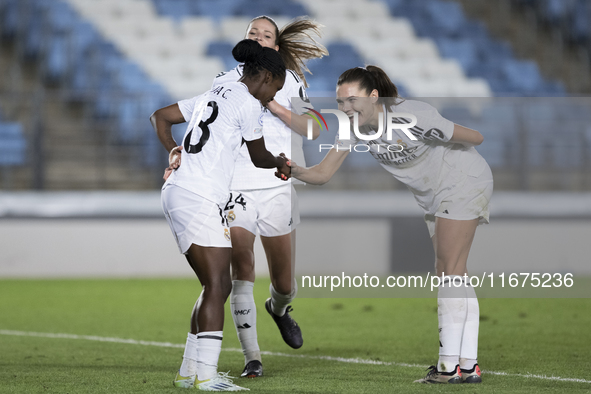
(257, 58)
(247, 51)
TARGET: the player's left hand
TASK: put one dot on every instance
(283, 171)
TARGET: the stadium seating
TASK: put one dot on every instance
(479, 54)
(125, 58)
(13, 145)
(572, 17)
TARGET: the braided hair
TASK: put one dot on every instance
(257, 58)
(370, 78)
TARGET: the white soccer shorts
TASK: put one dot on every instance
(194, 219)
(469, 199)
(273, 212)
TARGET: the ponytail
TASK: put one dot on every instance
(370, 78)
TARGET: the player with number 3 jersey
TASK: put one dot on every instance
(261, 203)
(197, 187)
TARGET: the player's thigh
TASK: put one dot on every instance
(212, 266)
(278, 212)
(452, 242)
(194, 219)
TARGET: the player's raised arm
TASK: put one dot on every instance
(321, 172)
(465, 136)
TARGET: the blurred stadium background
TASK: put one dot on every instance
(79, 79)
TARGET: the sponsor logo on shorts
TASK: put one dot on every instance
(231, 216)
(227, 234)
(290, 221)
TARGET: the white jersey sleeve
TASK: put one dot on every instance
(251, 121)
(186, 107)
(431, 125)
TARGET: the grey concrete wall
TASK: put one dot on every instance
(145, 248)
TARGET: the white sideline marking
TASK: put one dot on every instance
(327, 358)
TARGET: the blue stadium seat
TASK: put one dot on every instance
(9, 18)
(32, 27)
(463, 50)
(524, 75)
(581, 22)
(177, 9)
(342, 57)
(56, 58)
(216, 9)
(469, 42)
(446, 17)
(222, 49)
(13, 145)
(254, 8)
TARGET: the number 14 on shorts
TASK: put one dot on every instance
(233, 201)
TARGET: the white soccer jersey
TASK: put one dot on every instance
(279, 138)
(218, 121)
(423, 164)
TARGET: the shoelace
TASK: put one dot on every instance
(225, 377)
(289, 309)
(432, 370)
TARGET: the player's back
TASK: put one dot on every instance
(219, 120)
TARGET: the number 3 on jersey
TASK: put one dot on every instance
(204, 126)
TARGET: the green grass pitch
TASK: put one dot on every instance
(518, 337)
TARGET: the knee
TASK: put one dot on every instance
(218, 288)
(243, 264)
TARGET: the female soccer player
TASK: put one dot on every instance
(259, 201)
(195, 192)
(451, 182)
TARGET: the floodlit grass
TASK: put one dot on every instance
(517, 336)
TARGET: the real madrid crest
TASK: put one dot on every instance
(227, 234)
(231, 216)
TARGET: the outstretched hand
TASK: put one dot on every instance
(283, 170)
(174, 161)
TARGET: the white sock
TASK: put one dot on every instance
(451, 310)
(189, 365)
(244, 313)
(469, 350)
(279, 302)
(468, 363)
(209, 346)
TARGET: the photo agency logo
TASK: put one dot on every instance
(361, 142)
